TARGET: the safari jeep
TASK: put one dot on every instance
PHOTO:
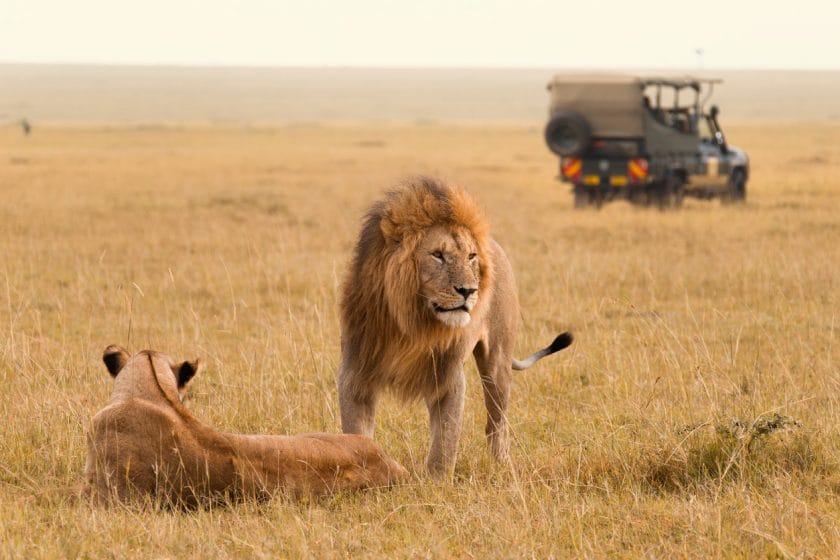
(638, 139)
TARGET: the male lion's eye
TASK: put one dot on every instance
(472, 256)
(438, 256)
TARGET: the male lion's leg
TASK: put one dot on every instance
(446, 412)
(496, 376)
(357, 411)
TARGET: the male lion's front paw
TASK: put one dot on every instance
(440, 470)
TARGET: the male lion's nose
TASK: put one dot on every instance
(466, 292)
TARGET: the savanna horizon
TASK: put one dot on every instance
(50, 94)
(229, 243)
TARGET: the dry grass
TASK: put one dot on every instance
(229, 244)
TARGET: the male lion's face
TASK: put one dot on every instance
(449, 274)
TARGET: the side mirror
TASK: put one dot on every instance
(721, 142)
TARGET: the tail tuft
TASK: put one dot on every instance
(562, 341)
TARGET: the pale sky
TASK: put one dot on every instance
(432, 33)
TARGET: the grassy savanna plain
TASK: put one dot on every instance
(653, 436)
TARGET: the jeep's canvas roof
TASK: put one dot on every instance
(612, 103)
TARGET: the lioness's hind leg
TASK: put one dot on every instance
(496, 375)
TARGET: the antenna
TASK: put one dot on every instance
(699, 51)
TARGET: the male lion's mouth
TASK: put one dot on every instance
(453, 316)
(442, 309)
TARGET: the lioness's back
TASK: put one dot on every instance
(138, 447)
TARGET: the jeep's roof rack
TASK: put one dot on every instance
(691, 82)
(680, 83)
(644, 81)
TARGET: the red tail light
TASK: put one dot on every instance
(637, 169)
(571, 168)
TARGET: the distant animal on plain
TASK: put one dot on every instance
(146, 446)
(426, 287)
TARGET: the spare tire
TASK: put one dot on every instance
(567, 133)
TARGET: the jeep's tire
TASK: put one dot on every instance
(583, 198)
(677, 191)
(669, 193)
(736, 191)
(567, 133)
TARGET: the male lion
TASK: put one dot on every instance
(427, 285)
(146, 445)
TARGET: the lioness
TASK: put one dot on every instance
(146, 444)
(426, 286)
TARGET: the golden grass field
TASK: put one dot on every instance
(229, 244)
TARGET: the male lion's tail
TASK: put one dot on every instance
(562, 341)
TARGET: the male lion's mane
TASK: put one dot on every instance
(388, 333)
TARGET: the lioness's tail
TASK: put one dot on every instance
(562, 341)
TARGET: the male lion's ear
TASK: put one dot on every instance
(389, 231)
(185, 371)
(115, 357)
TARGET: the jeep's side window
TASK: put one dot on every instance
(656, 112)
(681, 120)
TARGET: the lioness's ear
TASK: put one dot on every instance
(115, 357)
(185, 371)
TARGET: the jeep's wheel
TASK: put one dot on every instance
(567, 133)
(582, 198)
(677, 193)
(669, 193)
(736, 187)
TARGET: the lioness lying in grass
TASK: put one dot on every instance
(146, 445)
